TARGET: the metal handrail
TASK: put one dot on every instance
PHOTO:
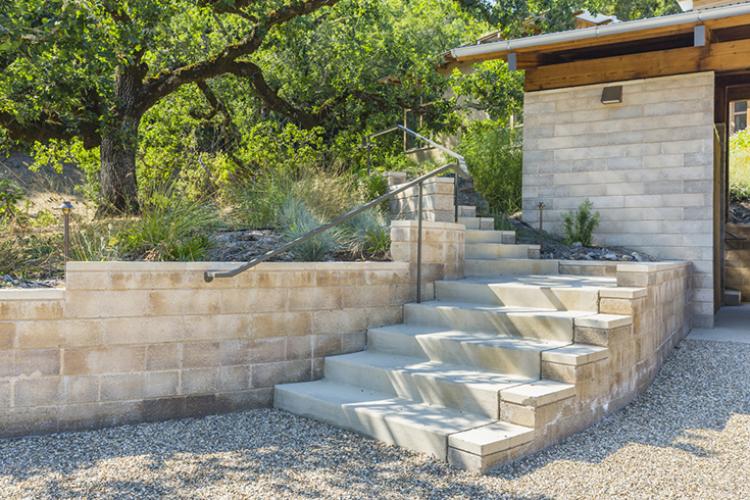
(459, 168)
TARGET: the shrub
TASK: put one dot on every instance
(494, 159)
(32, 255)
(94, 242)
(257, 202)
(580, 225)
(739, 193)
(10, 195)
(177, 232)
(296, 220)
(367, 236)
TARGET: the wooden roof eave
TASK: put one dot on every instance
(531, 56)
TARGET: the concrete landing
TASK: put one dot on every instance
(732, 325)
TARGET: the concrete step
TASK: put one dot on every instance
(561, 292)
(459, 387)
(501, 251)
(499, 267)
(416, 426)
(467, 211)
(487, 351)
(483, 223)
(481, 236)
(732, 297)
(525, 322)
(480, 449)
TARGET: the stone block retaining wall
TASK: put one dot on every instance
(130, 342)
(437, 203)
(646, 164)
(656, 297)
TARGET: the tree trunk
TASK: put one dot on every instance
(118, 149)
(117, 176)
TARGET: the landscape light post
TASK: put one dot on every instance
(66, 208)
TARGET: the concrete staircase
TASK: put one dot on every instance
(463, 377)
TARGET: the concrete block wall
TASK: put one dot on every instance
(737, 263)
(443, 249)
(137, 341)
(641, 321)
(646, 164)
(437, 204)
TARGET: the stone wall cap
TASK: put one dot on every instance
(603, 321)
(649, 267)
(428, 225)
(32, 294)
(141, 266)
(622, 293)
(576, 354)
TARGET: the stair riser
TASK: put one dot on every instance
(475, 267)
(562, 299)
(484, 223)
(385, 428)
(467, 211)
(416, 387)
(535, 326)
(520, 362)
(486, 236)
(498, 251)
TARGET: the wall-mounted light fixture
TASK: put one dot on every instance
(612, 95)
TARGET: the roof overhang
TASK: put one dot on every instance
(525, 49)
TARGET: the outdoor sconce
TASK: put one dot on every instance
(66, 208)
(612, 95)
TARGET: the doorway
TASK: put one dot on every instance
(732, 190)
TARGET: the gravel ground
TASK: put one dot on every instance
(687, 437)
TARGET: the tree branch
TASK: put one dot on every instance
(48, 127)
(270, 96)
(166, 82)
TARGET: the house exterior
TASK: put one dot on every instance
(635, 116)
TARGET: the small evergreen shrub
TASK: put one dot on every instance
(367, 236)
(296, 220)
(580, 225)
(177, 232)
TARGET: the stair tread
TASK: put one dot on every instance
(478, 338)
(516, 310)
(485, 231)
(437, 419)
(464, 375)
(493, 438)
(541, 280)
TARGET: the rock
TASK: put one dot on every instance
(577, 244)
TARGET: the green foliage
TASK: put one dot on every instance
(739, 193)
(296, 220)
(176, 232)
(739, 167)
(94, 242)
(10, 195)
(580, 225)
(495, 161)
(366, 236)
(31, 255)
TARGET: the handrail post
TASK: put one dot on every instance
(419, 244)
(455, 197)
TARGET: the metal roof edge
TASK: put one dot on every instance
(697, 16)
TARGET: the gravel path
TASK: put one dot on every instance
(687, 437)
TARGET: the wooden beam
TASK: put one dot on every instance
(727, 56)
